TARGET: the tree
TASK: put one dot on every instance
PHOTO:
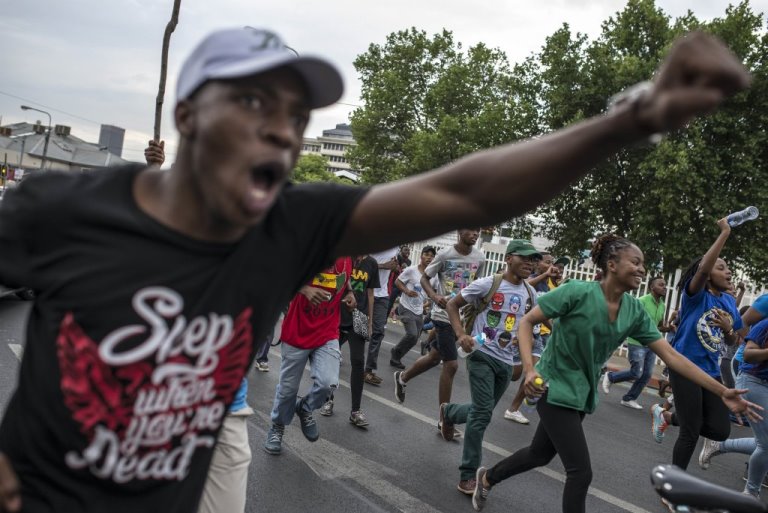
(665, 198)
(313, 168)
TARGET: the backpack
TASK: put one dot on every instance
(469, 312)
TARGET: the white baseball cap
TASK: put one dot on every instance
(241, 52)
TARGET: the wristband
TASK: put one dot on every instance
(634, 95)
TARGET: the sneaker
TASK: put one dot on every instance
(605, 383)
(446, 428)
(516, 416)
(357, 419)
(372, 379)
(399, 388)
(326, 410)
(456, 432)
(262, 366)
(423, 348)
(274, 443)
(708, 450)
(466, 486)
(308, 424)
(396, 363)
(480, 495)
(632, 404)
(658, 423)
(746, 475)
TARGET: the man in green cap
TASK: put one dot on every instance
(500, 302)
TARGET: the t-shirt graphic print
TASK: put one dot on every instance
(145, 407)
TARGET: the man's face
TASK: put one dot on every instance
(426, 258)
(469, 237)
(520, 266)
(406, 252)
(245, 136)
(544, 264)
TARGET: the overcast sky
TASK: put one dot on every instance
(90, 62)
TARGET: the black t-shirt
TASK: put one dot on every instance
(140, 336)
(365, 275)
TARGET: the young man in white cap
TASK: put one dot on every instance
(150, 285)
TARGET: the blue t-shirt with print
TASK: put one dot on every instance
(698, 338)
(761, 305)
(758, 335)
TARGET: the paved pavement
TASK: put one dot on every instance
(400, 464)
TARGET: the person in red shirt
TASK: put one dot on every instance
(310, 332)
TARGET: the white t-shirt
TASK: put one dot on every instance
(411, 278)
(500, 320)
(454, 272)
(382, 258)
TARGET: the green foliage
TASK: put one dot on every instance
(428, 102)
(313, 168)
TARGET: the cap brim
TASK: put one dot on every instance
(323, 80)
(526, 252)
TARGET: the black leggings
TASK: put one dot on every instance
(699, 412)
(357, 361)
(559, 432)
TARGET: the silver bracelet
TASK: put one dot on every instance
(633, 95)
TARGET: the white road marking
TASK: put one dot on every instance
(432, 422)
(332, 461)
(17, 349)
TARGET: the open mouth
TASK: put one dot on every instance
(264, 179)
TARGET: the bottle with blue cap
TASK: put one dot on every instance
(480, 339)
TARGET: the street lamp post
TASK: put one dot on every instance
(47, 133)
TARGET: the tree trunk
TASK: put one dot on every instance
(169, 28)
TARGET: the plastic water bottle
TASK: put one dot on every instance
(742, 216)
(479, 340)
(529, 403)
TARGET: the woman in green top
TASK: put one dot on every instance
(593, 320)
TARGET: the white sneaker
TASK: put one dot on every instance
(632, 404)
(605, 383)
(709, 449)
(516, 416)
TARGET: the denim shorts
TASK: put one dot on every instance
(538, 348)
(445, 341)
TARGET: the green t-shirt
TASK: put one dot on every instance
(583, 339)
(655, 312)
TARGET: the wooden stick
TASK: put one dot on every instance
(169, 28)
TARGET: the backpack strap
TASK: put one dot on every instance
(531, 293)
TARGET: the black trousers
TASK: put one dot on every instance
(559, 432)
(699, 413)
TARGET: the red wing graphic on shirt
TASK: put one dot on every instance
(146, 401)
(91, 391)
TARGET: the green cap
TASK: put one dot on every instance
(563, 260)
(522, 247)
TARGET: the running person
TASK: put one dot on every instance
(491, 365)
(708, 319)
(593, 318)
(356, 328)
(641, 359)
(410, 311)
(455, 267)
(215, 246)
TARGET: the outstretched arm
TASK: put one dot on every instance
(699, 280)
(487, 187)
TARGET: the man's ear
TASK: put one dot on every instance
(184, 115)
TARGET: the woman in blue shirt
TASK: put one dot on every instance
(708, 319)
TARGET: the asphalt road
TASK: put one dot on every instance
(401, 464)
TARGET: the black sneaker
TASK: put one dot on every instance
(396, 363)
(274, 443)
(446, 428)
(308, 424)
(481, 492)
(399, 388)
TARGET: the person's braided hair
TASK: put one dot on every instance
(607, 247)
(689, 273)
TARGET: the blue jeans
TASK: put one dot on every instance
(324, 370)
(758, 462)
(641, 362)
